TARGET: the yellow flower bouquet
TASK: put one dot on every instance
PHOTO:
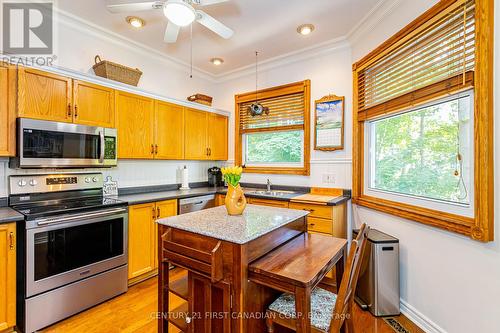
(235, 198)
(232, 175)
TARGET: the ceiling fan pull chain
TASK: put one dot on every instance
(191, 69)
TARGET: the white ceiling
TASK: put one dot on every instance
(268, 26)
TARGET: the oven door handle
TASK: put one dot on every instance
(101, 137)
(42, 222)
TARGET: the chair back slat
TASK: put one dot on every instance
(345, 297)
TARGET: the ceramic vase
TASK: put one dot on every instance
(235, 200)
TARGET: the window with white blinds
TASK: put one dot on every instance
(441, 50)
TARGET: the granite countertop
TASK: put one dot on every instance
(146, 197)
(256, 221)
(8, 215)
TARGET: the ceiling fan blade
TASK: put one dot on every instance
(171, 33)
(214, 25)
(131, 7)
(210, 2)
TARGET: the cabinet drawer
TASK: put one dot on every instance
(266, 202)
(319, 225)
(315, 210)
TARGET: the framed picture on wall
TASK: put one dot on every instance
(329, 123)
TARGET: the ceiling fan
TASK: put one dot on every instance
(180, 13)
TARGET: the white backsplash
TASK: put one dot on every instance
(129, 173)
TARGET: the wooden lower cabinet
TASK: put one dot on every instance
(331, 220)
(142, 237)
(220, 199)
(268, 202)
(7, 276)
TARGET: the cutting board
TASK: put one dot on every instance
(317, 199)
(318, 196)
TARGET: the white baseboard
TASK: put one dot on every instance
(419, 319)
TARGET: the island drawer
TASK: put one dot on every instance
(321, 211)
(196, 253)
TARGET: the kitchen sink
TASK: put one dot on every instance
(271, 193)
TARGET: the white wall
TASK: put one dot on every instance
(330, 73)
(78, 43)
(451, 281)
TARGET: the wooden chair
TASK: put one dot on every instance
(329, 312)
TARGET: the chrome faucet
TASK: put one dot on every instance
(268, 185)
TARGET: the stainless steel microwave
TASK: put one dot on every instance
(49, 144)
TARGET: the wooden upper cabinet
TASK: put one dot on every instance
(169, 131)
(43, 95)
(7, 110)
(7, 276)
(195, 134)
(141, 239)
(217, 136)
(135, 124)
(94, 105)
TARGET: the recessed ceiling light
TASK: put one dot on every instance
(217, 61)
(135, 21)
(305, 29)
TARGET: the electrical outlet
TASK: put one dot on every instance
(329, 178)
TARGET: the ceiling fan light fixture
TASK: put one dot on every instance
(217, 61)
(179, 12)
(305, 29)
(135, 21)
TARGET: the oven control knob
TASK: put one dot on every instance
(95, 179)
(87, 179)
(33, 182)
(22, 183)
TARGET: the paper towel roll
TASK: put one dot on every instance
(185, 179)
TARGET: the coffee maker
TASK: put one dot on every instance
(215, 177)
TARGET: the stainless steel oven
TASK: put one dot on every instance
(48, 144)
(64, 249)
(72, 246)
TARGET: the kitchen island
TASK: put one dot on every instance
(216, 249)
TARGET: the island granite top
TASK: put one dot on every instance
(215, 222)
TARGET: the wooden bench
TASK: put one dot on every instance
(298, 266)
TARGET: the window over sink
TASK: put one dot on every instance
(277, 139)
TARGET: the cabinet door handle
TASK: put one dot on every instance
(76, 111)
(154, 213)
(156, 149)
(309, 210)
(209, 151)
(11, 241)
(69, 109)
(152, 149)
(158, 212)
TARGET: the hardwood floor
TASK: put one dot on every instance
(134, 312)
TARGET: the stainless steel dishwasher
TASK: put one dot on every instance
(194, 204)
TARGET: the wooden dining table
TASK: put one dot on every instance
(298, 267)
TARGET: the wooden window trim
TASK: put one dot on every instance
(302, 86)
(481, 226)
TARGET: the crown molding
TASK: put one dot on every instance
(375, 16)
(93, 29)
(286, 59)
